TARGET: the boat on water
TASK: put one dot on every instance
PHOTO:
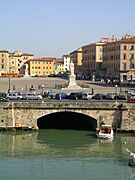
(105, 132)
(131, 161)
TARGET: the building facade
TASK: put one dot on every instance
(4, 62)
(92, 57)
(66, 59)
(41, 66)
(58, 66)
(17, 62)
(119, 58)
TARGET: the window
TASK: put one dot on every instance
(2, 66)
(132, 47)
(2, 60)
(124, 56)
(131, 56)
(125, 47)
(132, 65)
(124, 66)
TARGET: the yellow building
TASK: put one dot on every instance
(41, 66)
(17, 62)
(4, 62)
(58, 66)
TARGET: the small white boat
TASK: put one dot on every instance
(105, 132)
(131, 161)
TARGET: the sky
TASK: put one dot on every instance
(52, 28)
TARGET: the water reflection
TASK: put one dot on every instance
(63, 143)
(77, 154)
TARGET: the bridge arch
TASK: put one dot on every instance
(67, 120)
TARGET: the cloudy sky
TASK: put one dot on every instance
(52, 28)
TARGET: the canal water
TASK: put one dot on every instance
(64, 155)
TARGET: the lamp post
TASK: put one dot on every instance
(116, 93)
(9, 84)
(42, 86)
(9, 80)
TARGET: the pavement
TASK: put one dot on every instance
(44, 84)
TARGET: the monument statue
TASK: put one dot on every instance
(72, 68)
(26, 73)
(72, 85)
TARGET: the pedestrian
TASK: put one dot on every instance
(60, 96)
(92, 91)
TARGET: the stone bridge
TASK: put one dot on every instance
(35, 114)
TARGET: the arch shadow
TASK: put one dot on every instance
(67, 120)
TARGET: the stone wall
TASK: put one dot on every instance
(25, 114)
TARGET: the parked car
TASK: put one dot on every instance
(13, 96)
(99, 96)
(75, 95)
(86, 96)
(131, 100)
(33, 96)
(61, 96)
(111, 96)
(122, 97)
(2, 99)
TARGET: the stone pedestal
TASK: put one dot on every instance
(72, 85)
(72, 82)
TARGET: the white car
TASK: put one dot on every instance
(13, 96)
(86, 96)
(33, 96)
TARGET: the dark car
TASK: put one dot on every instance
(75, 95)
(111, 96)
(61, 96)
(2, 99)
(122, 97)
(99, 96)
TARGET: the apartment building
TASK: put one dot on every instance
(66, 59)
(4, 62)
(17, 62)
(76, 58)
(58, 66)
(92, 57)
(41, 66)
(119, 58)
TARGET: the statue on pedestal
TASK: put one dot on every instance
(26, 73)
(72, 68)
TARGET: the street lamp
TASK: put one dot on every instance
(116, 93)
(42, 86)
(9, 80)
(9, 84)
